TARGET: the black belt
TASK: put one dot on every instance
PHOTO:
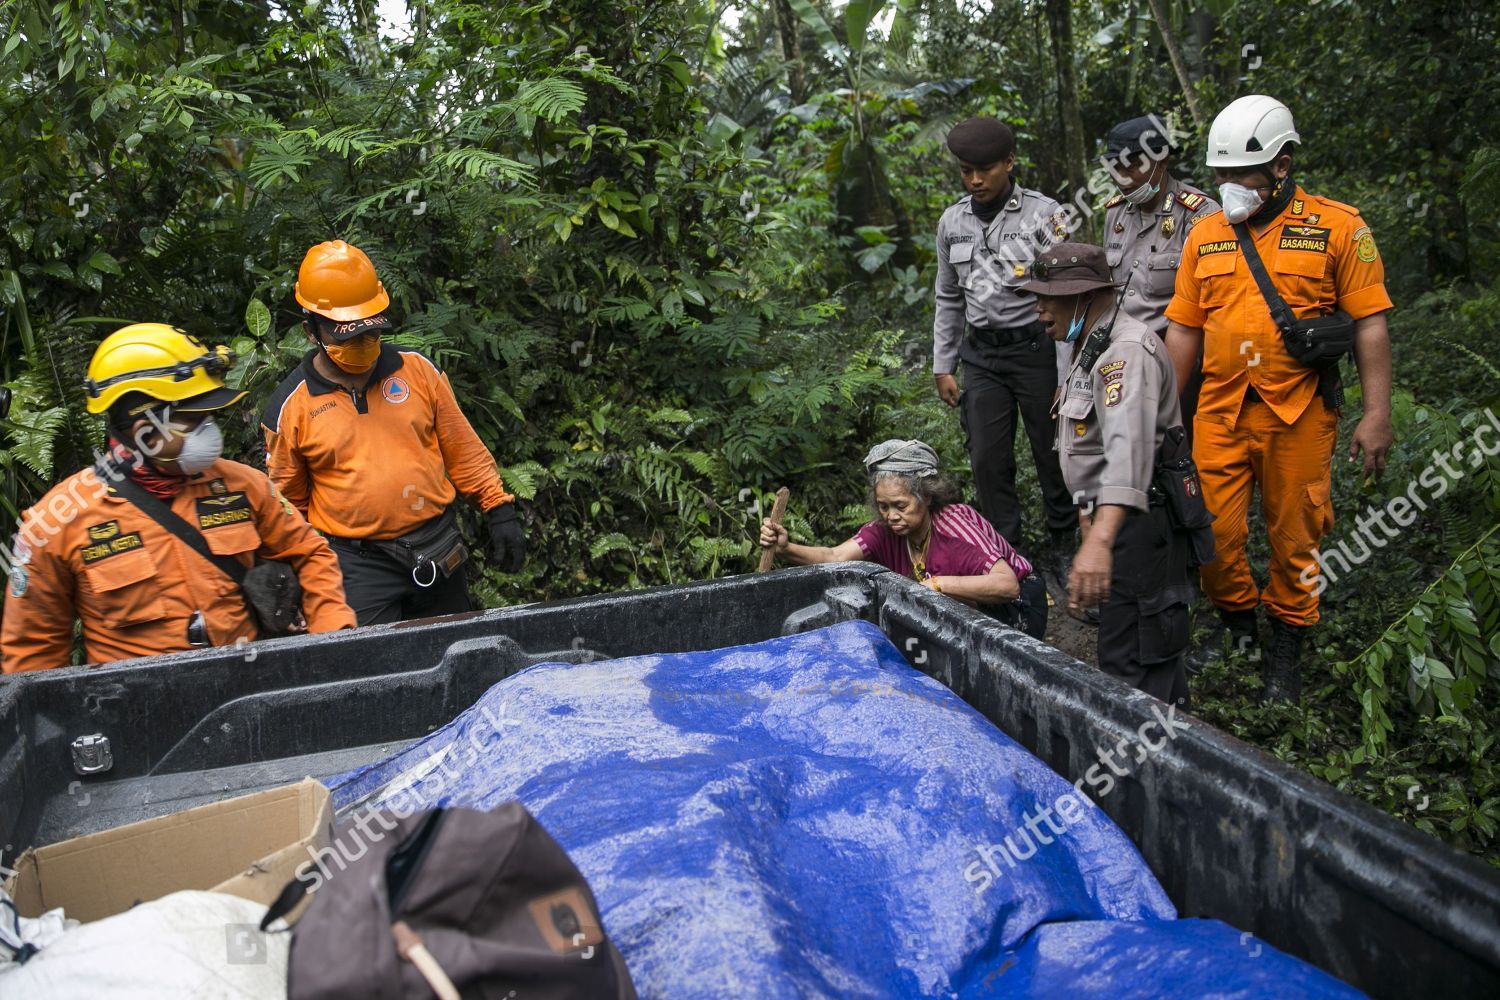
(371, 546)
(1003, 336)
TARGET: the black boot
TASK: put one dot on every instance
(1237, 634)
(1283, 667)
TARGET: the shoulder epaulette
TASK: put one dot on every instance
(1191, 200)
(1118, 199)
(1330, 203)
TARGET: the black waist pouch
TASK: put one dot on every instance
(1320, 341)
(435, 548)
(1176, 480)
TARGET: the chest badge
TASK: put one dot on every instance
(1312, 220)
(1119, 227)
(395, 390)
(1168, 226)
(1020, 270)
(1080, 429)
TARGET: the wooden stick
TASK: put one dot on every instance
(768, 556)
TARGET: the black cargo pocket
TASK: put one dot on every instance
(1164, 633)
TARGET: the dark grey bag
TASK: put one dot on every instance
(486, 901)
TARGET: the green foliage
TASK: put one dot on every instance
(665, 280)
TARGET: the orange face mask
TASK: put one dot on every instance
(356, 356)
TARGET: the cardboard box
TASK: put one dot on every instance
(249, 846)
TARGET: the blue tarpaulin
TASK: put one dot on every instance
(811, 817)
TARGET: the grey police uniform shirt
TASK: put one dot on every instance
(1111, 420)
(979, 268)
(1147, 248)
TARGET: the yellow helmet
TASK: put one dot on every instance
(163, 364)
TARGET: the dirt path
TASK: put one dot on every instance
(1067, 634)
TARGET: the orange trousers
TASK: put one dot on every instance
(1292, 463)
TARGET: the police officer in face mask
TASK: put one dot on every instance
(1146, 225)
(368, 440)
(985, 245)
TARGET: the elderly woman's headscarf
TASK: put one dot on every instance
(906, 458)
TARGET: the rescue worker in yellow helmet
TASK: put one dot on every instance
(367, 439)
(93, 549)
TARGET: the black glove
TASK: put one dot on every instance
(507, 540)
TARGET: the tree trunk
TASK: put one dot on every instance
(1132, 32)
(787, 26)
(1169, 39)
(1070, 118)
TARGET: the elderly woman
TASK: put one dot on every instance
(922, 531)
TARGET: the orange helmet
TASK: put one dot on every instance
(338, 281)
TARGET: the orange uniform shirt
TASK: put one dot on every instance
(88, 554)
(1321, 257)
(377, 463)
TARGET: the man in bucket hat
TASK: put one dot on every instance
(1118, 404)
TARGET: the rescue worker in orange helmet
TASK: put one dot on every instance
(1264, 416)
(369, 442)
(88, 552)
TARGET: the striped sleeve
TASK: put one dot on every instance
(964, 523)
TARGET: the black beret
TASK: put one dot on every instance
(982, 141)
(1147, 134)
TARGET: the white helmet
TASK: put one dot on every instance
(1250, 132)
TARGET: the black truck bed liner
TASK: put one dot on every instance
(1231, 832)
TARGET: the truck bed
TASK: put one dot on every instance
(1231, 832)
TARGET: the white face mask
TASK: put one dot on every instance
(1142, 194)
(1239, 202)
(201, 447)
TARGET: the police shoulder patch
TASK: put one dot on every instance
(1112, 372)
(1191, 200)
(1113, 393)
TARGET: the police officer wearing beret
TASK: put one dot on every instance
(985, 245)
(1118, 406)
(1146, 225)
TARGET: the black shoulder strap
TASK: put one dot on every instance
(167, 518)
(1097, 342)
(1281, 313)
